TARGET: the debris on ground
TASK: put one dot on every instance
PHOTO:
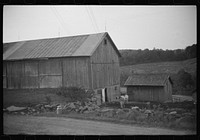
(178, 117)
(14, 108)
(135, 107)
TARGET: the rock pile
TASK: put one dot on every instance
(33, 110)
(80, 107)
(157, 116)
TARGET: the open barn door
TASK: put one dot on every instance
(104, 95)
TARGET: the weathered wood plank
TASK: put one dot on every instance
(30, 82)
(75, 72)
(31, 68)
(51, 67)
(50, 81)
(15, 73)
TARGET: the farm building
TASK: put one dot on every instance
(149, 87)
(89, 61)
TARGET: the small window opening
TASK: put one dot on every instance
(105, 42)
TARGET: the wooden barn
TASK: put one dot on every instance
(149, 87)
(90, 61)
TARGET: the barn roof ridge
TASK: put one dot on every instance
(70, 46)
(78, 35)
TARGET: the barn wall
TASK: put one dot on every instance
(143, 93)
(34, 74)
(76, 72)
(30, 78)
(50, 73)
(112, 93)
(105, 66)
(4, 76)
(15, 74)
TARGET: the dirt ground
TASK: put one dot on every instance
(17, 124)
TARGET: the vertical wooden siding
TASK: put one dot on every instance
(168, 90)
(50, 73)
(105, 66)
(15, 74)
(142, 93)
(4, 76)
(30, 75)
(76, 72)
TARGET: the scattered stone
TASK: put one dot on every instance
(71, 105)
(14, 108)
(172, 113)
(133, 114)
(86, 112)
(108, 113)
(148, 112)
(126, 110)
(47, 106)
(141, 117)
(135, 107)
(187, 114)
(22, 113)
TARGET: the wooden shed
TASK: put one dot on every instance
(149, 87)
(90, 61)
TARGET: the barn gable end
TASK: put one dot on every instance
(105, 65)
(105, 71)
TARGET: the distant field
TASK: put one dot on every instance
(162, 67)
(181, 98)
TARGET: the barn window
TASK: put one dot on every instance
(105, 42)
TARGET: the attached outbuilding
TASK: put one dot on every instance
(90, 61)
(149, 87)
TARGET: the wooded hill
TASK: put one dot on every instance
(132, 57)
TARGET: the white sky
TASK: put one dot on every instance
(130, 27)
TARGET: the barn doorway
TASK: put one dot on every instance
(104, 95)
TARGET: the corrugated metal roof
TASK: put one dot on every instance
(147, 80)
(82, 45)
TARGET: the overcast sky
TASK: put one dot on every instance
(130, 27)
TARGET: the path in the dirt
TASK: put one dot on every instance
(17, 124)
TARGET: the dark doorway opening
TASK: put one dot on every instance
(106, 95)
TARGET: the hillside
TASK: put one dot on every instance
(162, 67)
(183, 73)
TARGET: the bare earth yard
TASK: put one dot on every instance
(17, 124)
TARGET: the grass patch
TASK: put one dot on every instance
(28, 97)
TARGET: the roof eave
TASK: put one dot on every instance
(146, 85)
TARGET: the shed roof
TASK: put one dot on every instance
(82, 45)
(147, 80)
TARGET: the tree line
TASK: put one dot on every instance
(132, 57)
